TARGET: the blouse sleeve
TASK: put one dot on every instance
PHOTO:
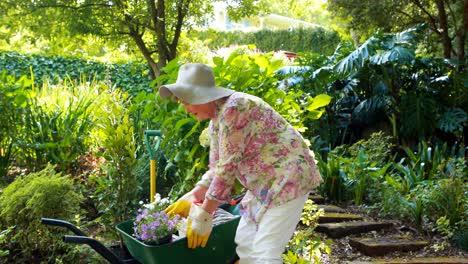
(232, 135)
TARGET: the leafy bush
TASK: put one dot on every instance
(13, 98)
(115, 192)
(358, 169)
(335, 180)
(383, 84)
(421, 165)
(132, 77)
(25, 201)
(447, 197)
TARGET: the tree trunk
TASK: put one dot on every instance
(153, 66)
(462, 37)
(444, 33)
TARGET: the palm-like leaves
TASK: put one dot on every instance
(380, 50)
(452, 120)
(355, 60)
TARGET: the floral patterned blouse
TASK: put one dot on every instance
(251, 141)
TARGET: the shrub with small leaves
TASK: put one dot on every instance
(22, 205)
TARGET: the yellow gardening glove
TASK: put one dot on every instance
(199, 226)
(180, 207)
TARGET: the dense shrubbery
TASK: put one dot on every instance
(22, 205)
(315, 40)
(133, 77)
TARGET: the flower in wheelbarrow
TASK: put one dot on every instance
(152, 223)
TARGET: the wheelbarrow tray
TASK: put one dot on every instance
(220, 247)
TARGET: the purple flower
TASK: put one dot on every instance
(139, 217)
(152, 223)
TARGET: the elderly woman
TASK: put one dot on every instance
(250, 141)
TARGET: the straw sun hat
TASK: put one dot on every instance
(195, 84)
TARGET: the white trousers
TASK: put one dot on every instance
(266, 244)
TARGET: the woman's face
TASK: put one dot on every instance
(200, 111)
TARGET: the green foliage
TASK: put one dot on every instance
(335, 180)
(357, 169)
(362, 173)
(415, 210)
(419, 118)
(365, 17)
(13, 97)
(378, 148)
(132, 77)
(439, 196)
(3, 240)
(384, 85)
(447, 197)
(116, 192)
(452, 120)
(311, 214)
(55, 125)
(255, 74)
(64, 44)
(308, 10)
(443, 226)
(143, 25)
(316, 40)
(389, 200)
(422, 165)
(460, 239)
(26, 200)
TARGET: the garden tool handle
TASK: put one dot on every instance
(62, 223)
(148, 134)
(96, 245)
(236, 199)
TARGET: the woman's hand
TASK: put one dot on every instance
(182, 206)
(198, 193)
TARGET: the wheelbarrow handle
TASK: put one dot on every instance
(96, 245)
(62, 223)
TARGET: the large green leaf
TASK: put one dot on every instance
(398, 53)
(355, 60)
(452, 120)
(319, 101)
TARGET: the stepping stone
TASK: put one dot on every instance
(338, 230)
(434, 260)
(331, 208)
(316, 198)
(383, 245)
(338, 217)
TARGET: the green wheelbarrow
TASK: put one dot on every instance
(220, 248)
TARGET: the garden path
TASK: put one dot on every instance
(360, 238)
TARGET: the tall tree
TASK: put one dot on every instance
(447, 19)
(154, 27)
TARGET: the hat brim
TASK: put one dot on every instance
(194, 94)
